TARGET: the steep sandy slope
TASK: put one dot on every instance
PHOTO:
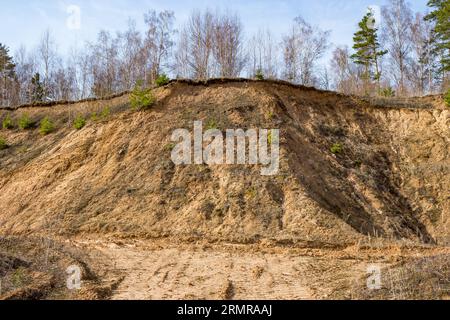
(116, 177)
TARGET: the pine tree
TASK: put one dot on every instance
(7, 74)
(441, 17)
(367, 48)
(6, 62)
(37, 91)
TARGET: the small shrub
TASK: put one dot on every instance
(94, 117)
(46, 127)
(105, 112)
(169, 146)
(25, 122)
(387, 92)
(211, 125)
(141, 98)
(8, 123)
(3, 144)
(337, 148)
(259, 75)
(79, 123)
(162, 80)
(447, 98)
(19, 277)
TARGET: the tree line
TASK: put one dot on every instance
(407, 55)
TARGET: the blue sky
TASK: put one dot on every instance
(23, 21)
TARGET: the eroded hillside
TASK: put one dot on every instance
(115, 176)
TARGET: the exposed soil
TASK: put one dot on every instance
(225, 231)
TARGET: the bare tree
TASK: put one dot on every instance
(158, 41)
(47, 54)
(345, 73)
(182, 54)
(200, 33)
(324, 79)
(290, 53)
(63, 85)
(26, 67)
(396, 34)
(422, 71)
(82, 63)
(228, 47)
(212, 44)
(132, 57)
(303, 47)
(263, 55)
(104, 65)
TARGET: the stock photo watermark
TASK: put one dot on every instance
(74, 277)
(190, 148)
(374, 277)
(73, 21)
(375, 19)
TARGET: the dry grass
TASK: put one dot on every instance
(425, 278)
(35, 268)
(227, 293)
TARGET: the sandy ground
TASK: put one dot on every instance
(164, 271)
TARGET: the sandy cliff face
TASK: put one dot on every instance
(116, 176)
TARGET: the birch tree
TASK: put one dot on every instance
(263, 55)
(303, 47)
(228, 48)
(158, 41)
(397, 37)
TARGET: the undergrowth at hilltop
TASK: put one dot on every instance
(387, 92)
(162, 80)
(141, 98)
(259, 75)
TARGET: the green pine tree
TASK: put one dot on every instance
(7, 73)
(368, 49)
(441, 17)
(7, 65)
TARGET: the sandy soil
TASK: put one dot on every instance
(160, 270)
(225, 231)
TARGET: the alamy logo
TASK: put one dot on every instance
(374, 277)
(73, 22)
(375, 19)
(208, 147)
(73, 281)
